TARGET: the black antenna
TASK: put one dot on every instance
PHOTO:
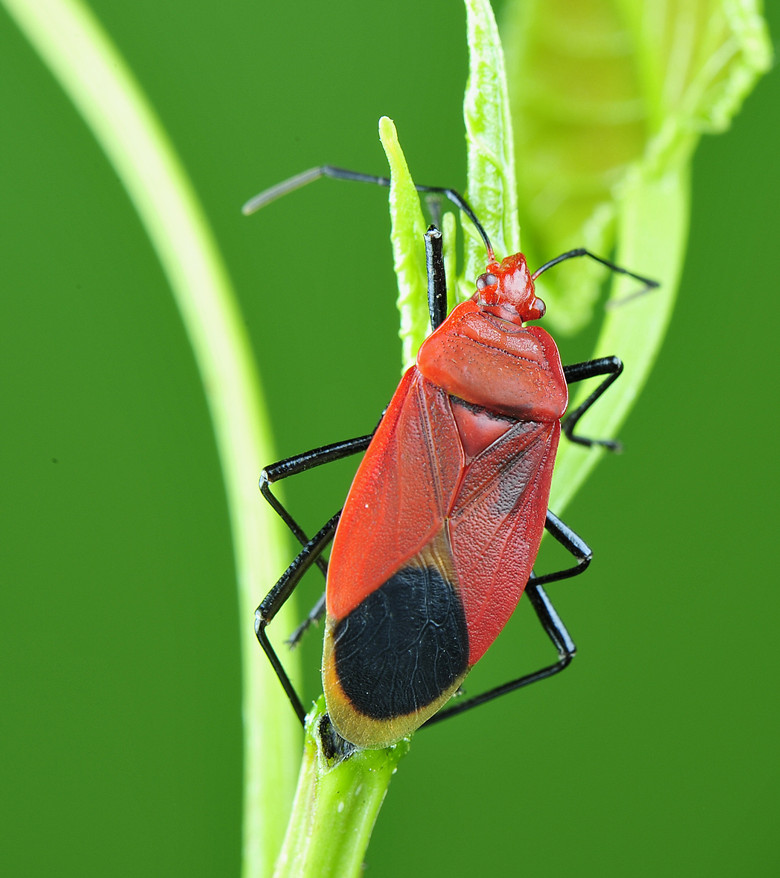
(269, 195)
(581, 251)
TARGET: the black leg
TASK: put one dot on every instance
(291, 466)
(574, 545)
(276, 598)
(313, 617)
(555, 630)
(545, 612)
(437, 280)
(609, 366)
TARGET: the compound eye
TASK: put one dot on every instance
(486, 280)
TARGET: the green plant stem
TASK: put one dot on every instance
(94, 76)
(335, 807)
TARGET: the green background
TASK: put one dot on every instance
(655, 754)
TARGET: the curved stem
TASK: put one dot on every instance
(94, 76)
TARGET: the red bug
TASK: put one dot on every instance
(440, 531)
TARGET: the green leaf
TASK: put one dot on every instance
(407, 231)
(609, 101)
(604, 92)
(492, 189)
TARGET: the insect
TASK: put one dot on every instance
(438, 537)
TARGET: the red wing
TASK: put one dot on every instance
(414, 478)
(497, 524)
(401, 493)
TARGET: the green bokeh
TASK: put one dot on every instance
(655, 754)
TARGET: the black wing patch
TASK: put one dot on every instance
(403, 645)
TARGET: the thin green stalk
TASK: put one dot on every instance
(336, 805)
(94, 76)
(490, 154)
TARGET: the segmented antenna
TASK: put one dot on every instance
(293, 183)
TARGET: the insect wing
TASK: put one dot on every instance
(400, 496)
(497, 524)
(396, 639)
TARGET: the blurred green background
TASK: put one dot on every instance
(655, 754)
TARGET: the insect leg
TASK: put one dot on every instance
(437, 280)
(555, 630)
(276, 598)
(573, 543)
(609, 366)
(291, 466)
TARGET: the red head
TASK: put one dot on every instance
(507, 291)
